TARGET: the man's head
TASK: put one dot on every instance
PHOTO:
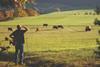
(19, 27)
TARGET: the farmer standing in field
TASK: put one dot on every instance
(18, 36)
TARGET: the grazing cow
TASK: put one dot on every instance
(55, 27)
(45, 25)
(10, 29)
(60, 26)
(6, 38)
(37, 29)
(88, 28)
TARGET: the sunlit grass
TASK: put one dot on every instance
(68, 45)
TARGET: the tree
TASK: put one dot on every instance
(18, 7)
(20, 3)
(97, 10)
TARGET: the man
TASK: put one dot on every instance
(18, 36)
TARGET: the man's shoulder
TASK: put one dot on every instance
(16, 31)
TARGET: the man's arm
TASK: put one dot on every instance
(25, 28)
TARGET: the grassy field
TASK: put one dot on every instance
(65, 18)
(68, 47)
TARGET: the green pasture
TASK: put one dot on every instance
(71, 37)
(65, 18)
(49, 39)
(71, 43)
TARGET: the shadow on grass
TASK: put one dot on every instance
(5, 56)
(39, 62)
(33, 60)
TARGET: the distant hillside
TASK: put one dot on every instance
(45, 6)
(52, 5)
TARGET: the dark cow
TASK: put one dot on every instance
(37, 29)
(10, 29)
(45, 25)
(60, 26)
(55, 27)
(6, 38)
(88, 28)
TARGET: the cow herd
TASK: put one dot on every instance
(57, 27)
(54, 26)
(87, 28)
(60, 26)
(48, 27)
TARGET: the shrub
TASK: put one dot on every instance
(96, 22)
(97, 51)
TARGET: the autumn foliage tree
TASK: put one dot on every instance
(16, 8)
(20, 7)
